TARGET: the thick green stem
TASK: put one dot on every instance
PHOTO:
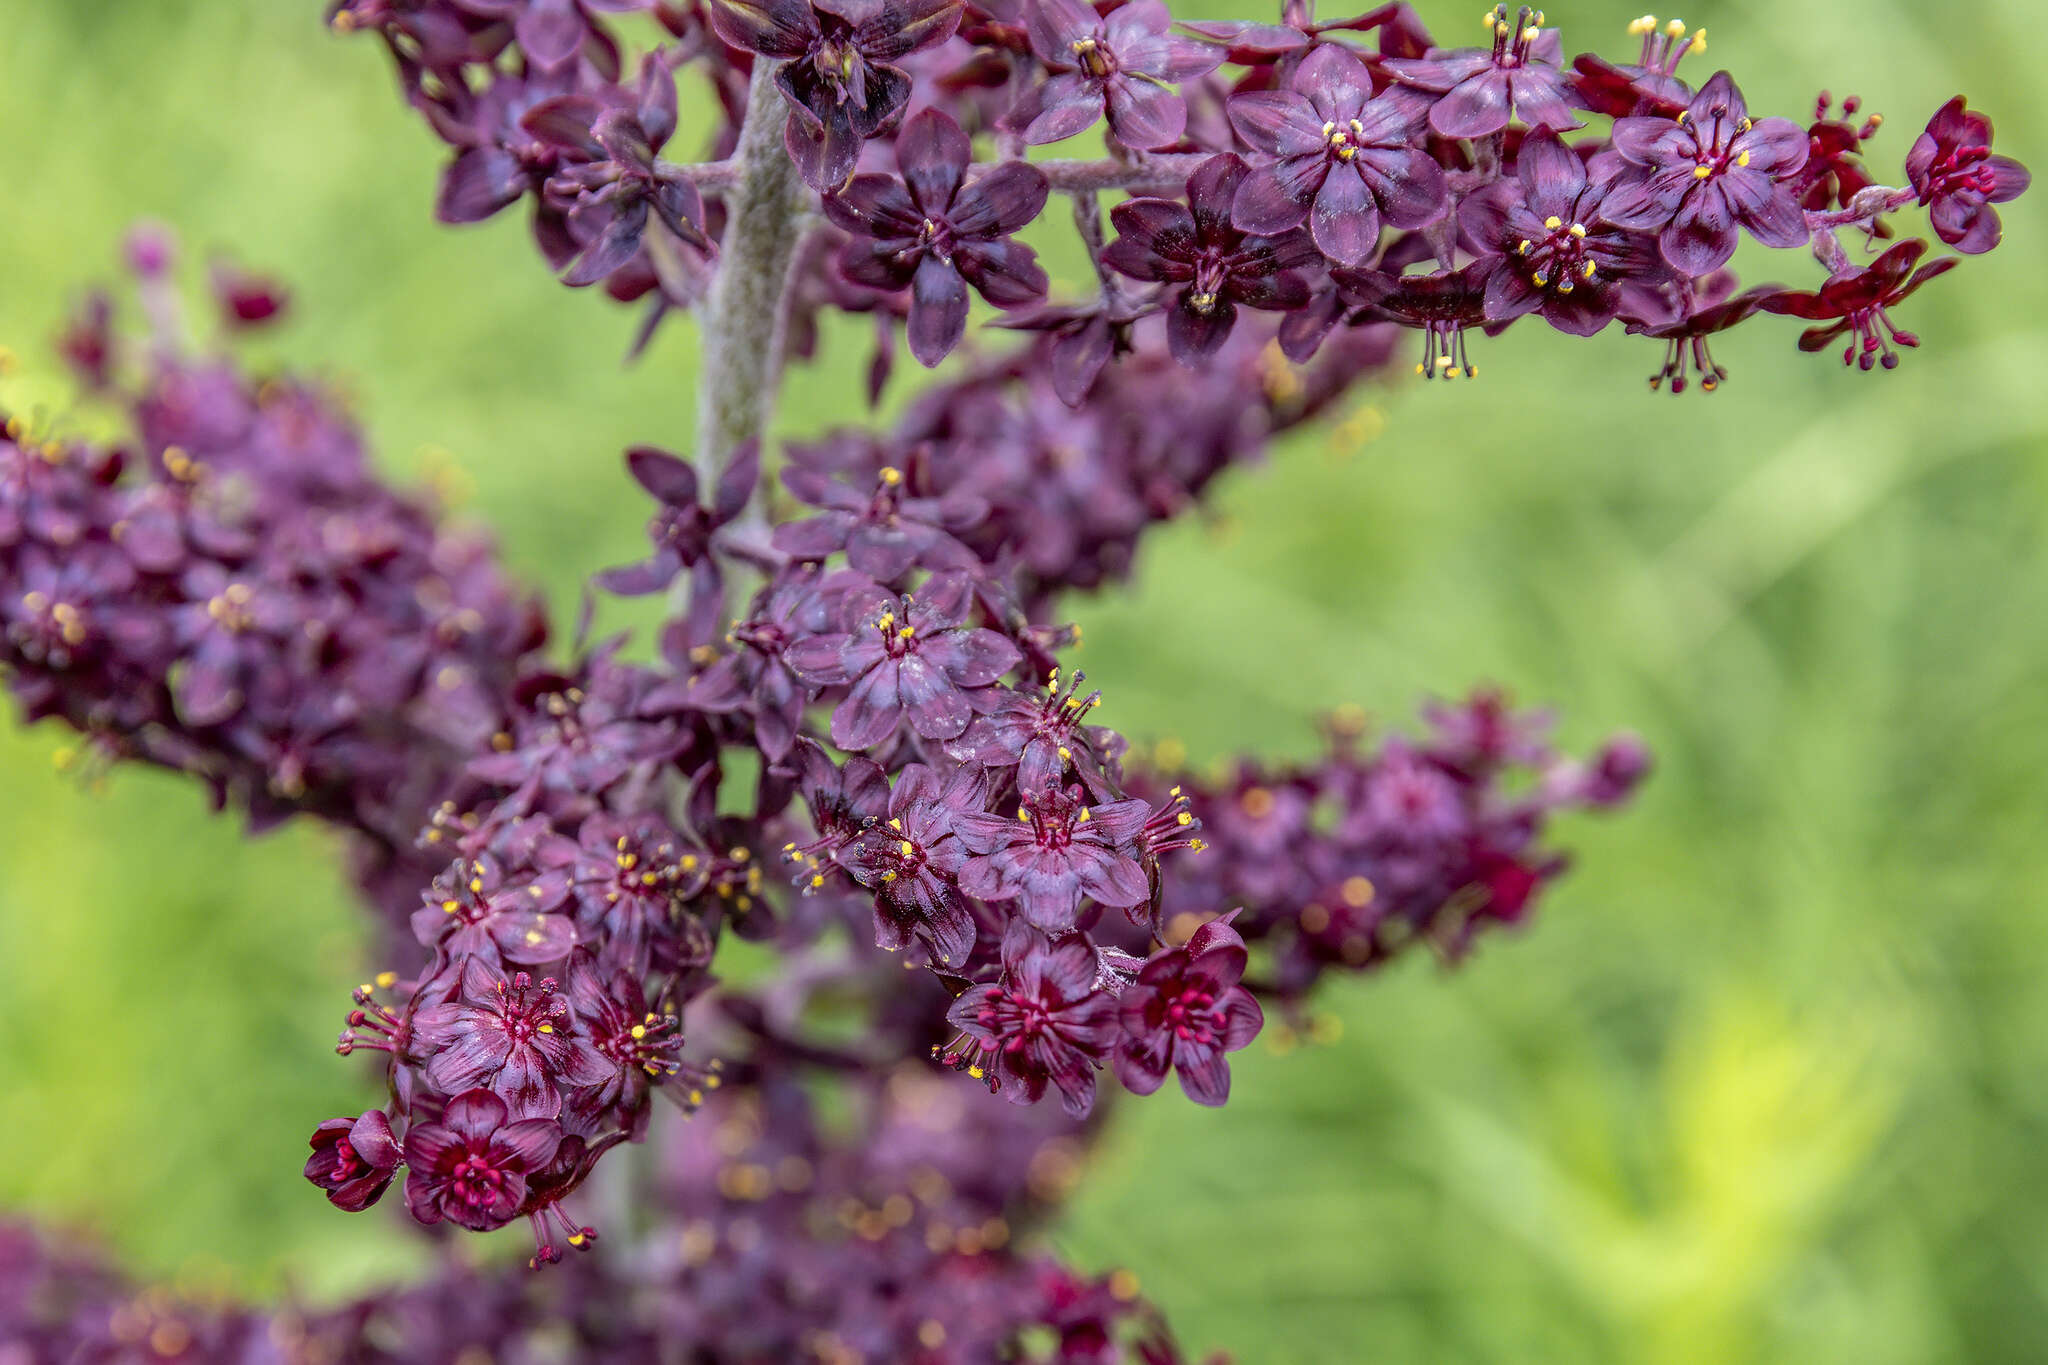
(744, 316)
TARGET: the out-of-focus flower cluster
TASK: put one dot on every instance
(1334, 172)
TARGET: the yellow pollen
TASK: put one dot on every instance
(1579, 231)
(1646, 24)
(891, 475)
(639, 1032)
(1702, 172)
(1023, 814)
(1588, 271)
(476, 884)
(909, 849)
(895, 824)
(386, 980)
(1675, 29)
(1084, 817)
(1184, 819)
(1553, 222)
(1742, 160)
(1541, 279)
(1531, 33)
(576, 1239)
(1357, 892)
(817, 880)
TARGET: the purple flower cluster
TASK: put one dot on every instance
(1331, 181)
(233, 593)
(1343, 863)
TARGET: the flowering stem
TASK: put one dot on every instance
(743, 317)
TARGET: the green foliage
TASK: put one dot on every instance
(1766, 1081)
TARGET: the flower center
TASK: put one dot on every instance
(1342, 139)
(1559, 258)
(476, 1181)
(897, 640)
(1095, 59)
(1511, 41)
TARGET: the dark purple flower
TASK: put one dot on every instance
(353, 1160)
(1555, 254)
(936, 235)
(1706, 173)
(801, 602)
(552, 32)
(1056, 850)
(613, 182)
(472, 1167)
(1479, 91)
(905, 658)
(1084, 337)
(1043, 736)
(1858, 301)
(1125, 65)
(1651, 86)
(1441, 306)
(1958, 178)
(910, 861)
(1216, 265)
(1184, 1012)
(575, 737)
(1340, 160)
(837, 75)
(1714, 308)
(1043, 1021)
(682, 529)
(627, 874)
(641, 1048)
(884, 534)
(476, 908)
(513, 1035)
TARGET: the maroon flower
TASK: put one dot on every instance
(910, 862)
(884, 534)
(1124, 65)
(1479, 90)
(472, 1167)
(1056, 850)
(682, 529)
(1044, 1021)
(1857, 301)
(477, 909)
(1440, 305)
(627, 873)
(1340, 160)
(1218, 267)
(1043, 736)
(1555, 254)
(837, 75)
(1952, 168)
(1651, 86)
(640, 1048)
(514, 1036)
(1083, 338)
(1706, 173)
(936, 235)
(1184, 1012)
(353, 1160)
(551, 32)
(1715, 307)
(905, 658)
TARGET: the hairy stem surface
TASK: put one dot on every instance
(742, 319)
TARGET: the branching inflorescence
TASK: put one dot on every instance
(860, 739)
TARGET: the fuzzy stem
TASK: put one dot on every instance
(743, 316)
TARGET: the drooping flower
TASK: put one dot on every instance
(1479, 91)
(1056, 851)
(472, 1167)
(837, 70)
(1651, 86)
(1217, 266)
(1714, 308)
(1042, 1022)
(1555, 255)
(1043, 735)
(905, 659)
(1331, 155)
(1705, 174)
(1124, 65)
(1857, 301)
(1957, 177)
(353, 1160)
(935, 234)
(1184, 1012)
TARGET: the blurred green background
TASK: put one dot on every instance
(1768, 1081)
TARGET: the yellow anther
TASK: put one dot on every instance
(1184, 819)
(1531, 34)
(1123, 1285)
(1084, 816)
(545, 1028)
(1702, 172)
(1675, 29)
(975, 1072)
(1579, 231)
(891, 475)
(1023, 814)
(1743, 159)
(1065, 754)
(895, 824)
(386, 980)
(909, 849)
(1522, 247)
(639, 1032)
(888, 876)
(906, 632)
(450, 906)
(1541, 279)
(1553, 222)
(1699, 42)
(817, 880)
(1647, 24)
